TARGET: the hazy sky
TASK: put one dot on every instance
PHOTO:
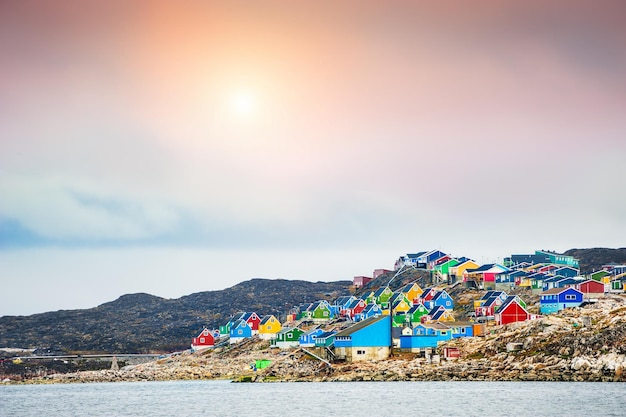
(174, 147)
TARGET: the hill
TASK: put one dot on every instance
(143, 323)
(592, 259)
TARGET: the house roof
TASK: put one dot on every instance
(354, 303)
(416, 307)
(371, 307)
(267, 318)
(415, 255)
(239, 323)
(434, 325)
(380, 291)
(510, 300)
(344, 300)
(408, 287)
(558, 290)
(360, 325)
(439, 294)
(325, 335)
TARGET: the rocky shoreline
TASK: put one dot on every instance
(585, 344)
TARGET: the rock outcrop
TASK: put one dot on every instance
(584, 344)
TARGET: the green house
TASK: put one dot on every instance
(319, 311)
(225, 329)
(287, 338)
(416, 313)
(444, 268)
(400, 320)
(382, 296)
(599, 275)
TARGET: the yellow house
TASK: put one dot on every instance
(401, 305)
(459, 269)
(412, 292)
(269, 327)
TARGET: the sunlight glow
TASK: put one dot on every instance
(242, 103)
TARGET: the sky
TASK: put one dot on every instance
(176, 147)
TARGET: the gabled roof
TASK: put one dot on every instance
(239, 323)
(487, 267)
(408, 287)
(437, 312)
(439, 294)
(492, 293)
(434, 325)
(267, 318)
(344, 300)
(559, 290)
(415, 255)
(325, 335)
(510, 300)
(368, 308)
(416, 307)
(354, 304)
(359, 326)
(381, 290)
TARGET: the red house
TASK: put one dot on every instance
(591, 287)
(379, 272)
(511, 311)
(204, 340)
(252, 319)
(355, 307)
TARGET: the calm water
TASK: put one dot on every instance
(224, 399)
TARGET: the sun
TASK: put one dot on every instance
(242, 103)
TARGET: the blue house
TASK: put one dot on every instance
(461, 329)
(567, 271)
(240, 330)
(325, 339)
(369, 339)
(341, 304)
(556, 299)
(443, 299)
(427, 259)
(426, 335)
(370, 310)
(308, 339)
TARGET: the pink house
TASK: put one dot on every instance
(360, 281)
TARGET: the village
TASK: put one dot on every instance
(377, 323)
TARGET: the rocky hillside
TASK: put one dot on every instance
(585, 344)
(143, 323)
(593, 259)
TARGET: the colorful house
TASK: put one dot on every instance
(340, 306)
(483, 276)
(367, 340)
(567, 271)
(308, 339)
(269, 327)
(251, 318)
(426, 335)
(442, 299)
(205, 340)
(400, 304)
(319, 311)
(591, 288)
(288, 338)
(382, 296)
(355, 308)
(439, 313)
(461, 329)
(557, 299)
(511, 311)
(325, 339)
(416, 313)
(488, 304)
(442, 269)
(457, 271)
(601, 276)
(412, 292)
(370, 310)
(361, 281)
(240, 330)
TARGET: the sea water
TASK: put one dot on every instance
(345, 399)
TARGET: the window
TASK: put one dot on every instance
(202, 340)
(325, 313)
(570, 297)
(360, 352)
(240, 331)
